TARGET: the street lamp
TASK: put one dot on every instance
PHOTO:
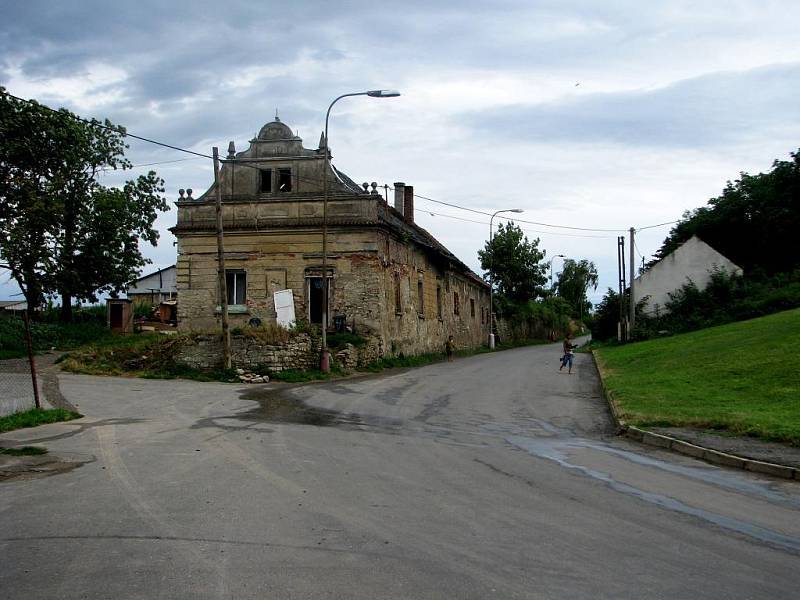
(324, 362)
(550, 262)
(491, 274)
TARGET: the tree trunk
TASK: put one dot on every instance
(65, 316)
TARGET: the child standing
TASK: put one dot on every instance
(449, 348)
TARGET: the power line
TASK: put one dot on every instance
(124, 133)
(658, 225)
(95, 123)
(523, 229)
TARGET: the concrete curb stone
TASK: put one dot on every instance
(670, 443)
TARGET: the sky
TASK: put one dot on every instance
(592, 115)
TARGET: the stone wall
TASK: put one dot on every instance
(301, 352)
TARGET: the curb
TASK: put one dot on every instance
(687, 449)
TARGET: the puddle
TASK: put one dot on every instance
(279, 406)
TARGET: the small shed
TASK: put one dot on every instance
(120, 315)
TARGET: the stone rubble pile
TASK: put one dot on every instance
(250, 377)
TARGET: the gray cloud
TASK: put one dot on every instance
(706, 111)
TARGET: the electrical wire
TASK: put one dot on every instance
(125, 133)
(484, 223)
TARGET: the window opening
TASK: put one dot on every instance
(284, 180)
(398, 308)
(236, 282)
(439, 301)
(421, 296)
(472, 307)
(455, 303)
(266, 181)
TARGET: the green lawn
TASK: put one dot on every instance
(742, 378)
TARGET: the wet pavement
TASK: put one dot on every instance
(492, 476)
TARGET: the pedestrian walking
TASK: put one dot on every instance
(449, 348)
(569, 353)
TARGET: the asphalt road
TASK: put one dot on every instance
(494, 476)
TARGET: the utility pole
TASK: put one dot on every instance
(632, 306)
(31, 360)
(223, 287)
(621, 329)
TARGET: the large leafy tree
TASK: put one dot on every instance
(573, 282)
(513, 264)
(62, 231)
(754, 221)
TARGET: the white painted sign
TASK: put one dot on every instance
(284, 306)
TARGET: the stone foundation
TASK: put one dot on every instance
(301, 352)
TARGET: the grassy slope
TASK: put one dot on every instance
(743, 378)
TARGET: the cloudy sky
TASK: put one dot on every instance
(595, 115)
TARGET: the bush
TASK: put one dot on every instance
(45, 336)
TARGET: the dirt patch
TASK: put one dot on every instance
(32, 467)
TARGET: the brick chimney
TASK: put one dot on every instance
(399, 197)
(408, 203)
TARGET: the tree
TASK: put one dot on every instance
(513, 264)
(61, 231)
(573, 281)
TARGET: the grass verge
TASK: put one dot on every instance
(34, 417)
(739, 378)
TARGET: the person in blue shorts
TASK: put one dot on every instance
(569, 354)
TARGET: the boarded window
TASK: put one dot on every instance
(456, 307)
(472, 307)
(236, 282)
(266, 181)
(439, 301)
(284, 180)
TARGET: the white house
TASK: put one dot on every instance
(694, 260)
(154, 287)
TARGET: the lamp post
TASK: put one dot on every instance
(324, 362)
(550, 262)
(491, 274)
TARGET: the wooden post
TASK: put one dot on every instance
(223, 287)
(31, 360)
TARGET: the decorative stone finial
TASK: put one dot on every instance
(374, 186)
(231, 149)
(180, 193)
(322, 140)
(277, 118)
(365, 185)
(189, 194)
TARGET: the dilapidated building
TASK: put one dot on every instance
(390, 279)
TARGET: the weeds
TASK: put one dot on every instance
(34, 417)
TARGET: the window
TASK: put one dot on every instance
(236, 282)
(483, 316)
(455, 303)
(420, 296)
(472, 307)
(284, 180)
(266, 181)
(439, 301)
(398, 308)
